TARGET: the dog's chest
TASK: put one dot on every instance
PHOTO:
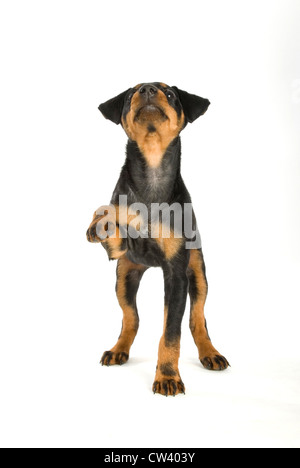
(157, 183)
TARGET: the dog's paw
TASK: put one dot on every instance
(91, 233)
(168, 387)
(100, 229)
(216, 362)
(110, 358)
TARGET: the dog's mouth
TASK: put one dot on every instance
(150, 112)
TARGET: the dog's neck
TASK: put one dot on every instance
(153, 184)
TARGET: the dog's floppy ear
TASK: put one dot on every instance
(193, 106)
(113, 108)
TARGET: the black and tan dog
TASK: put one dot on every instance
(153, 115)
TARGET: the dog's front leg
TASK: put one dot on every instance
(105, 229)
(210, 358)
(167, 379)
(129, 276)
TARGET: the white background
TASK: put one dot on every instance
(60, 160)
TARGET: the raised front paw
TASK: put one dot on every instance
(103, 225)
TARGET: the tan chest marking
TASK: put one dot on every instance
(168, 243)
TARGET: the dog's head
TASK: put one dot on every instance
(153, 115)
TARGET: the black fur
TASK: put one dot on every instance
(132, 283)
(193, 106)
(193, 288)
(112, 109)
(138, 181)
(135, 182)
(167, 369)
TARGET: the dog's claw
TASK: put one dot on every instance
(216, 362)
(168, 387)
(110, 358)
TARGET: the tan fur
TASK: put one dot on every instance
(153, 144)
(167, 240)
(114, 215)
(115, 247)
(197, 319)
(170, 246)
(168, 355)
(130, 321)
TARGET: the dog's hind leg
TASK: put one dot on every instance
(210, 358)
(129, 276)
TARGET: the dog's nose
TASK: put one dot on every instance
(148, 91)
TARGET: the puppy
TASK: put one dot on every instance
(150, 223)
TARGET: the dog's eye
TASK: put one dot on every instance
(170, 94)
